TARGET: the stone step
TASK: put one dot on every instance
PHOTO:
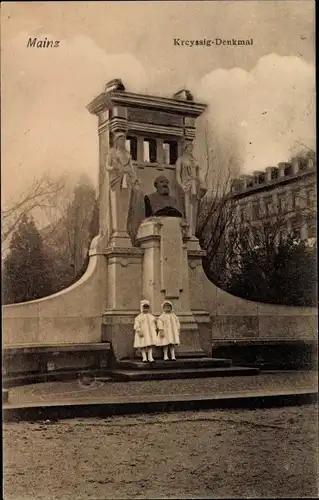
(158, 354)
(179, 363)
(181, 353)
(136, 375)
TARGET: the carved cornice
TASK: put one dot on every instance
(100, 103)
(118, 317)
(145, 128)
(129, 99)
(123, 252)
(151, 238)
(117, 123)
(196, 254)
(112, 125)
(155, 129)
(189, 133)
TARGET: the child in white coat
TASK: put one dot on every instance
(145, 332)
(168, 326)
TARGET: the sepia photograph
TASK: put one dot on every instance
(159, 250)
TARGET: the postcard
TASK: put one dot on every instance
(159, 283)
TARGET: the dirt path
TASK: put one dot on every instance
(265, 453)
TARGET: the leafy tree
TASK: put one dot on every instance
(286, 276)
(294, 274)
(27, 269)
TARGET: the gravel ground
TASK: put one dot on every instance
(268, 453)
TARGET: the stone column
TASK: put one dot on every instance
(140, 149)
(148, 237)
(160, 154)
(124, 294)
(104, 146)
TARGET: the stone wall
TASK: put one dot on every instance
(72, 316)
(236, 318)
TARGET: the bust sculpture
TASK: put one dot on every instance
(192, 186)
(161, 202)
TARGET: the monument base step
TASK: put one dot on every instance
(165, 374)
(179, 363)
(182, 353)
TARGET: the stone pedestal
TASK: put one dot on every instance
(124, 271)
(196, 280)
(120, 204)
(159, 269)
(165, 274)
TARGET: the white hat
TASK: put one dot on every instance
(167, 302)
(144, 303)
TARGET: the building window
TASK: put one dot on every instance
(295, 200)
(150, 150)
(274, 174)
(131, 146)
(255, 211)
(296, 228)
(309, 197)
(255, 235)
(242, 215)
(268, 206)
(170, 152)
(281, 203)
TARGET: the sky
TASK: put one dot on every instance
(260, 96)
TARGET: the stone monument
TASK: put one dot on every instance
(151, 249)
(146, 249)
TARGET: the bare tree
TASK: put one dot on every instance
(68, 235)
(41, 195)
(217, 208)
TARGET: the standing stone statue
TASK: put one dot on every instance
(122, 179)
(192, 186)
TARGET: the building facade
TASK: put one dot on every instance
(284, 195)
